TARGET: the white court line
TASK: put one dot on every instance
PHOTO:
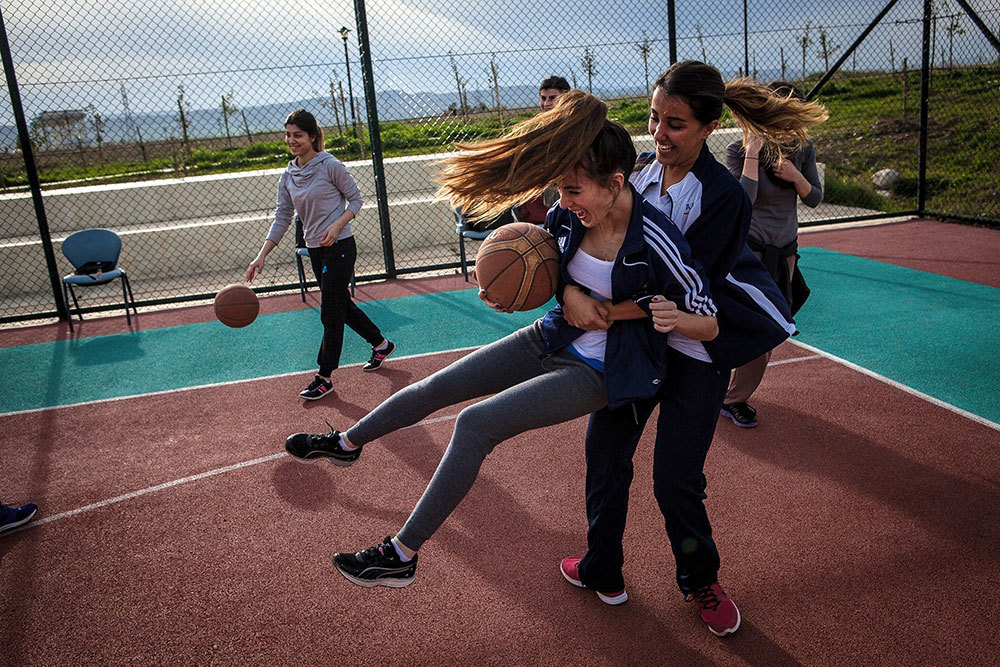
(185, 480)
(902, 387)
(818, 354)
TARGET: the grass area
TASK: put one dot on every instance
(874, 124)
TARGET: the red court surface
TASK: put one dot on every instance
(857, 525)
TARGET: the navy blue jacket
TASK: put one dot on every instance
(713, 211)
(654, 259)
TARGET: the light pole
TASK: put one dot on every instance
(344, 32)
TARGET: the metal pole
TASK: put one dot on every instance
(375, 136)
(925, 93)
(344, 32)
(843, 58)
(28, 153)
(671, 31)
(990, 37)
(746, 42)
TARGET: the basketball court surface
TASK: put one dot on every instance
(857, 524)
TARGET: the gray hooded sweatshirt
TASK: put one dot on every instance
(320, 192)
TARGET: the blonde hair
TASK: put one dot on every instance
(486, 178)
(779, 118)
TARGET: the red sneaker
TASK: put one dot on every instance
(570, 568)
(717, 609)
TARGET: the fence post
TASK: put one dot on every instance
(672, 31)
(925, 93)
(28, 153)
(375, 135)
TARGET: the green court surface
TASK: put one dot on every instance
(192, 355)
(935, 334)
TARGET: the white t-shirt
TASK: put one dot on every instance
(595, 275)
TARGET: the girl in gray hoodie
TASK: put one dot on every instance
(322, 191)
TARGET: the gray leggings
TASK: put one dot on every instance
(530, 390)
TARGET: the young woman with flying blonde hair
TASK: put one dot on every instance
(612, 243)
(710, 207)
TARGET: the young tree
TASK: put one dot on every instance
(892, 57)
(246, 126)
(130, 120)
(701, 43)
(783, 63)
(826, 48)
(805, 41)
(182, 119)
(331, 105)
(494, 80)
(644, 47)
(589, 64)
(459, 84)
(228, 109)
(97, 125)
(953, 27)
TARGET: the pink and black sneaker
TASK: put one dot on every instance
(318, 388)
(570, 568)
(717, 609)
(378, 356)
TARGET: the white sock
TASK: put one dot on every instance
(343, 444)
(383, 346)
(403, 557)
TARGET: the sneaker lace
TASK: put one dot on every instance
(330, 439)
(379, 553)
(706, 598)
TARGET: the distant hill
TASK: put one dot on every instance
(392, 105)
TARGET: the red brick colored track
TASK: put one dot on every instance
(857, 524)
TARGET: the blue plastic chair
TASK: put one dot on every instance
(302, 251)
(94, 255)
(478, 233)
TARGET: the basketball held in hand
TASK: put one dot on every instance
(236, 306)
(518, 266)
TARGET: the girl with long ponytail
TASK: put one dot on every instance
(705, 201)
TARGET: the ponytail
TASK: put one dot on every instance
(779, 118)
(486, 178)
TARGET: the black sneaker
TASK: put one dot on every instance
(309, 447)
(742, 414)
(318, 388)
(377, 566)
(378, 356)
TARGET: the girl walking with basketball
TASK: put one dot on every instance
(319, 187)
(613, 243)
(704, 200)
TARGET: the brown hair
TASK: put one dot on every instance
(306, 122)
(777, 117)
(487, 178)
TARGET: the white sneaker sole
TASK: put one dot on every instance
(613, 600)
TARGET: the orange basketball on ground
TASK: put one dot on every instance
(236, 306)
(518, 266)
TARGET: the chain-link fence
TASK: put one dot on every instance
(164, 121)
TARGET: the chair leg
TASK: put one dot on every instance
(76, 304)
(69, 311)
(302, 277)
(128, 316)
(461, 254)
(131, 297)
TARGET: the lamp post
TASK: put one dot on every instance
(344, 32)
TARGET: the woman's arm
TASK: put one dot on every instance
(667, 317)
